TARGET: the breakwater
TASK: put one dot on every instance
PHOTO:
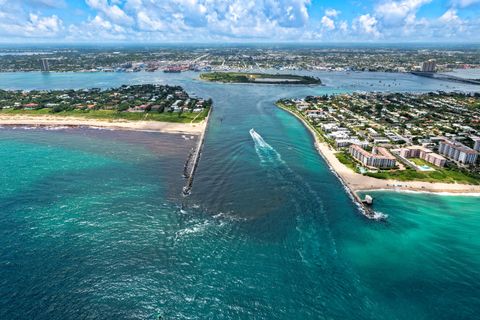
(193, 159)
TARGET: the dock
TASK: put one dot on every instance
(193, 158)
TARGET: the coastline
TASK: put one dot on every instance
(356, 182)
(54, 121)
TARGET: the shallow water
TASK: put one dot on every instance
(92, 223)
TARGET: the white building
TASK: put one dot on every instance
(379, 158)
(429, 66)
(423, 153)
(457, 152)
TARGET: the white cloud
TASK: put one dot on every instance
(98, 29)
(220, 18)
(343, 26)
(43, 25)
(112, 12)
(147, 23)
(464, 3)
(332, 12)
(393, 13)
(328, 23)
(450, 16)
(366, 24)
(227, 20)
(16, 23)
(48, 3)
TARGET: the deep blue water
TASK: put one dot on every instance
(93, 226)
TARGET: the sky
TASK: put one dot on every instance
(223, 21)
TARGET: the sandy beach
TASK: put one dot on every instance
(357, 182)
(165, 127)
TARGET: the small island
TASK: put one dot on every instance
(259, 78)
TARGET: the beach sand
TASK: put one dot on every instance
(166, 127)
(357, 182)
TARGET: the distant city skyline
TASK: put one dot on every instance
(237, 21)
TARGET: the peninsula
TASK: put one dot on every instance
(258, 78)
(411, 142)
(137, 107)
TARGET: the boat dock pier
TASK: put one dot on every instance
(193, 159)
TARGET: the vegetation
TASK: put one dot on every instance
(421, 162)
(261, 78)
(136, 102)
(447, 175)
(347, 160)
(452, 174)
(181, 117)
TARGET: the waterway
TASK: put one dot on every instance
(93, 224)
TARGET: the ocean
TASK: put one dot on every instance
(93, 224)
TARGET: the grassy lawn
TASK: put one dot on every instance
(347, 160)
(184, 117)
(421, 162)
(447, 175)
(43, 111)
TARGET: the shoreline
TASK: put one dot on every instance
(356, 182)
(438, 193)
(141, 125)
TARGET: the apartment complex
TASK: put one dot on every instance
(457, 152)
(379, 158)
(423, 153)
(45, 66)
(429, 66)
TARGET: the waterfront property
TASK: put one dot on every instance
(147, 102)
(458, 152)
(422, 153)
(398, 136)
(379, 158)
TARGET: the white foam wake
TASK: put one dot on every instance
(305, 200)
(266, 153)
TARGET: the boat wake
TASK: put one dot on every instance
(304, 199)
(266, 153)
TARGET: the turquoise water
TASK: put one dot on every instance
(93, 226)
